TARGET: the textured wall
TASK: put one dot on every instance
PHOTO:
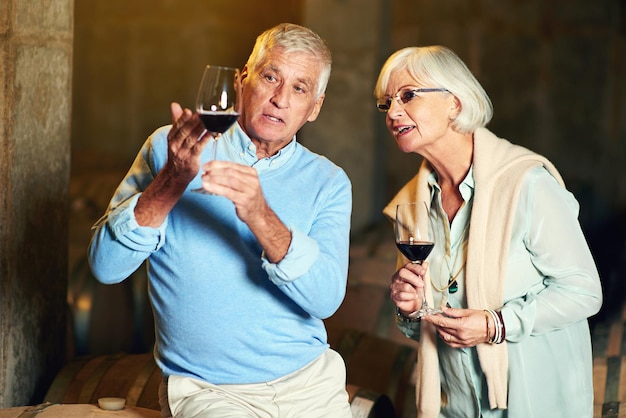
(132, 58)
(350, 130)
(36, 55)
(554, 70)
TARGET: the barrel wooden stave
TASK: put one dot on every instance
(134, 377)
(378, 364)
(366, 403)
(78, 411)
(378, 370)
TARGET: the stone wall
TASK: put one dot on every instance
(35, 70)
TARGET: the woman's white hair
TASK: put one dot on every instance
(293, 38)
(437, 66)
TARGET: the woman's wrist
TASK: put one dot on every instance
(412, 317)
(495, 329)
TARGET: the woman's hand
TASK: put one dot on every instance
(405, 288)
(461, 328)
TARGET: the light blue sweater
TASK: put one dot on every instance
(222, 312)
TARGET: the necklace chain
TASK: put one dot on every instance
(453, 277)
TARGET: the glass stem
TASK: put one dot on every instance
(425, 305)
(424, 301)
(214, 143)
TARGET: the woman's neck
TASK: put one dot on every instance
(453, 161)
(452, 167)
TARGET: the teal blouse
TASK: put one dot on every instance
(552, 287)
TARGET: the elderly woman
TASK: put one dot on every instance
(511, 268)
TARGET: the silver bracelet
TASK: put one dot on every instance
(498, 336)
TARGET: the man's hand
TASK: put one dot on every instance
(186, 140)
(240, 184)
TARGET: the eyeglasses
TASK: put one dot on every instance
(404, 96)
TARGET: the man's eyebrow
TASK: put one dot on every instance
(307, 81)
(271, 68)
(310, 83)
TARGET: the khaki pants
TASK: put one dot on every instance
(316, 391)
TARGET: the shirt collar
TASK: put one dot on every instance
(241, 149)
(466, 187)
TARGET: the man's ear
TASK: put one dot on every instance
(316, 108)
(243, 74)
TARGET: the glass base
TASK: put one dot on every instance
(427, 310)
(202, 191)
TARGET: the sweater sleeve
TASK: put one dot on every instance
(569, 288)
(314, 271)
(119, 245)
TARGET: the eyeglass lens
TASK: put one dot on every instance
(404, 96)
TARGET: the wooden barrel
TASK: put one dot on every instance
(366, 403)
(96, 328)
(609, 366)
(76, 411)
(367, 305)
(380, 365)
(134, 377)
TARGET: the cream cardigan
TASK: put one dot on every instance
(499, 167)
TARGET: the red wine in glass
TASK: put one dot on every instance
(411, 229)
(217, 122)
(216, 104)
(416, 251)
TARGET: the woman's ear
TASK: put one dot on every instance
(455, 108)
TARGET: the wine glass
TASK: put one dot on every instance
(412, 240)
(216, 103)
